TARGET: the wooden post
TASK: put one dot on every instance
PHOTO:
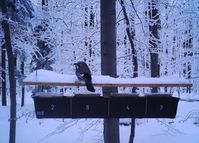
(108, 62)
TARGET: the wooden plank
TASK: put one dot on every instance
(50, 78)
(110, 85)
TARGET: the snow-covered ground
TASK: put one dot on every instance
(183, 129)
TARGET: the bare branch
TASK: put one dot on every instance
(133, 6)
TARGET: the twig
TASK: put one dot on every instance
(61, 128)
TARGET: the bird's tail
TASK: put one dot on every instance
(90, 87)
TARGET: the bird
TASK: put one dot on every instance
(83, 73)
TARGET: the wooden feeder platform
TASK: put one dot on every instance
(54, 105)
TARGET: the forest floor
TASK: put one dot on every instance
(184, 128)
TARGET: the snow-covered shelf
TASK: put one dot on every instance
(50, 78)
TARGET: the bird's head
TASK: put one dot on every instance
(82, 67)
(79, 64)
(75, 64)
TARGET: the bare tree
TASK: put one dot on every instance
(154, 39)
(11, 69)
(108, 62)
(130, 30)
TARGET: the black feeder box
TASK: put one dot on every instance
(161, 106)
(55, 105)
(52, 105)
(89, 107)
(127, 106)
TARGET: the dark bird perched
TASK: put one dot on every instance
(83, 73)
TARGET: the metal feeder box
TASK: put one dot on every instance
(55, 105)
(127, 106)
(89, 107)
(51, 105)
(159, 106)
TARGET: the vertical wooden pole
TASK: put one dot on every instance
(108, 62)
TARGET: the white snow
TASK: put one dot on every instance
(53, 77)
(183, 129)
(49, 76)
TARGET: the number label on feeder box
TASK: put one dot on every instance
(40, 113)
(87, 107)
(128, 107)
(52, 107)
(161, 107)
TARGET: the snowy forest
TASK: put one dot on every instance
(154, 38)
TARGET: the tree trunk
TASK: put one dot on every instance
(155, 68)
(22, 88)
(3, 75)
(11, 69)
(12, 81)
(108, 62)
(44, 3)
(132, 134)
(154, 39)
(131, 37)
